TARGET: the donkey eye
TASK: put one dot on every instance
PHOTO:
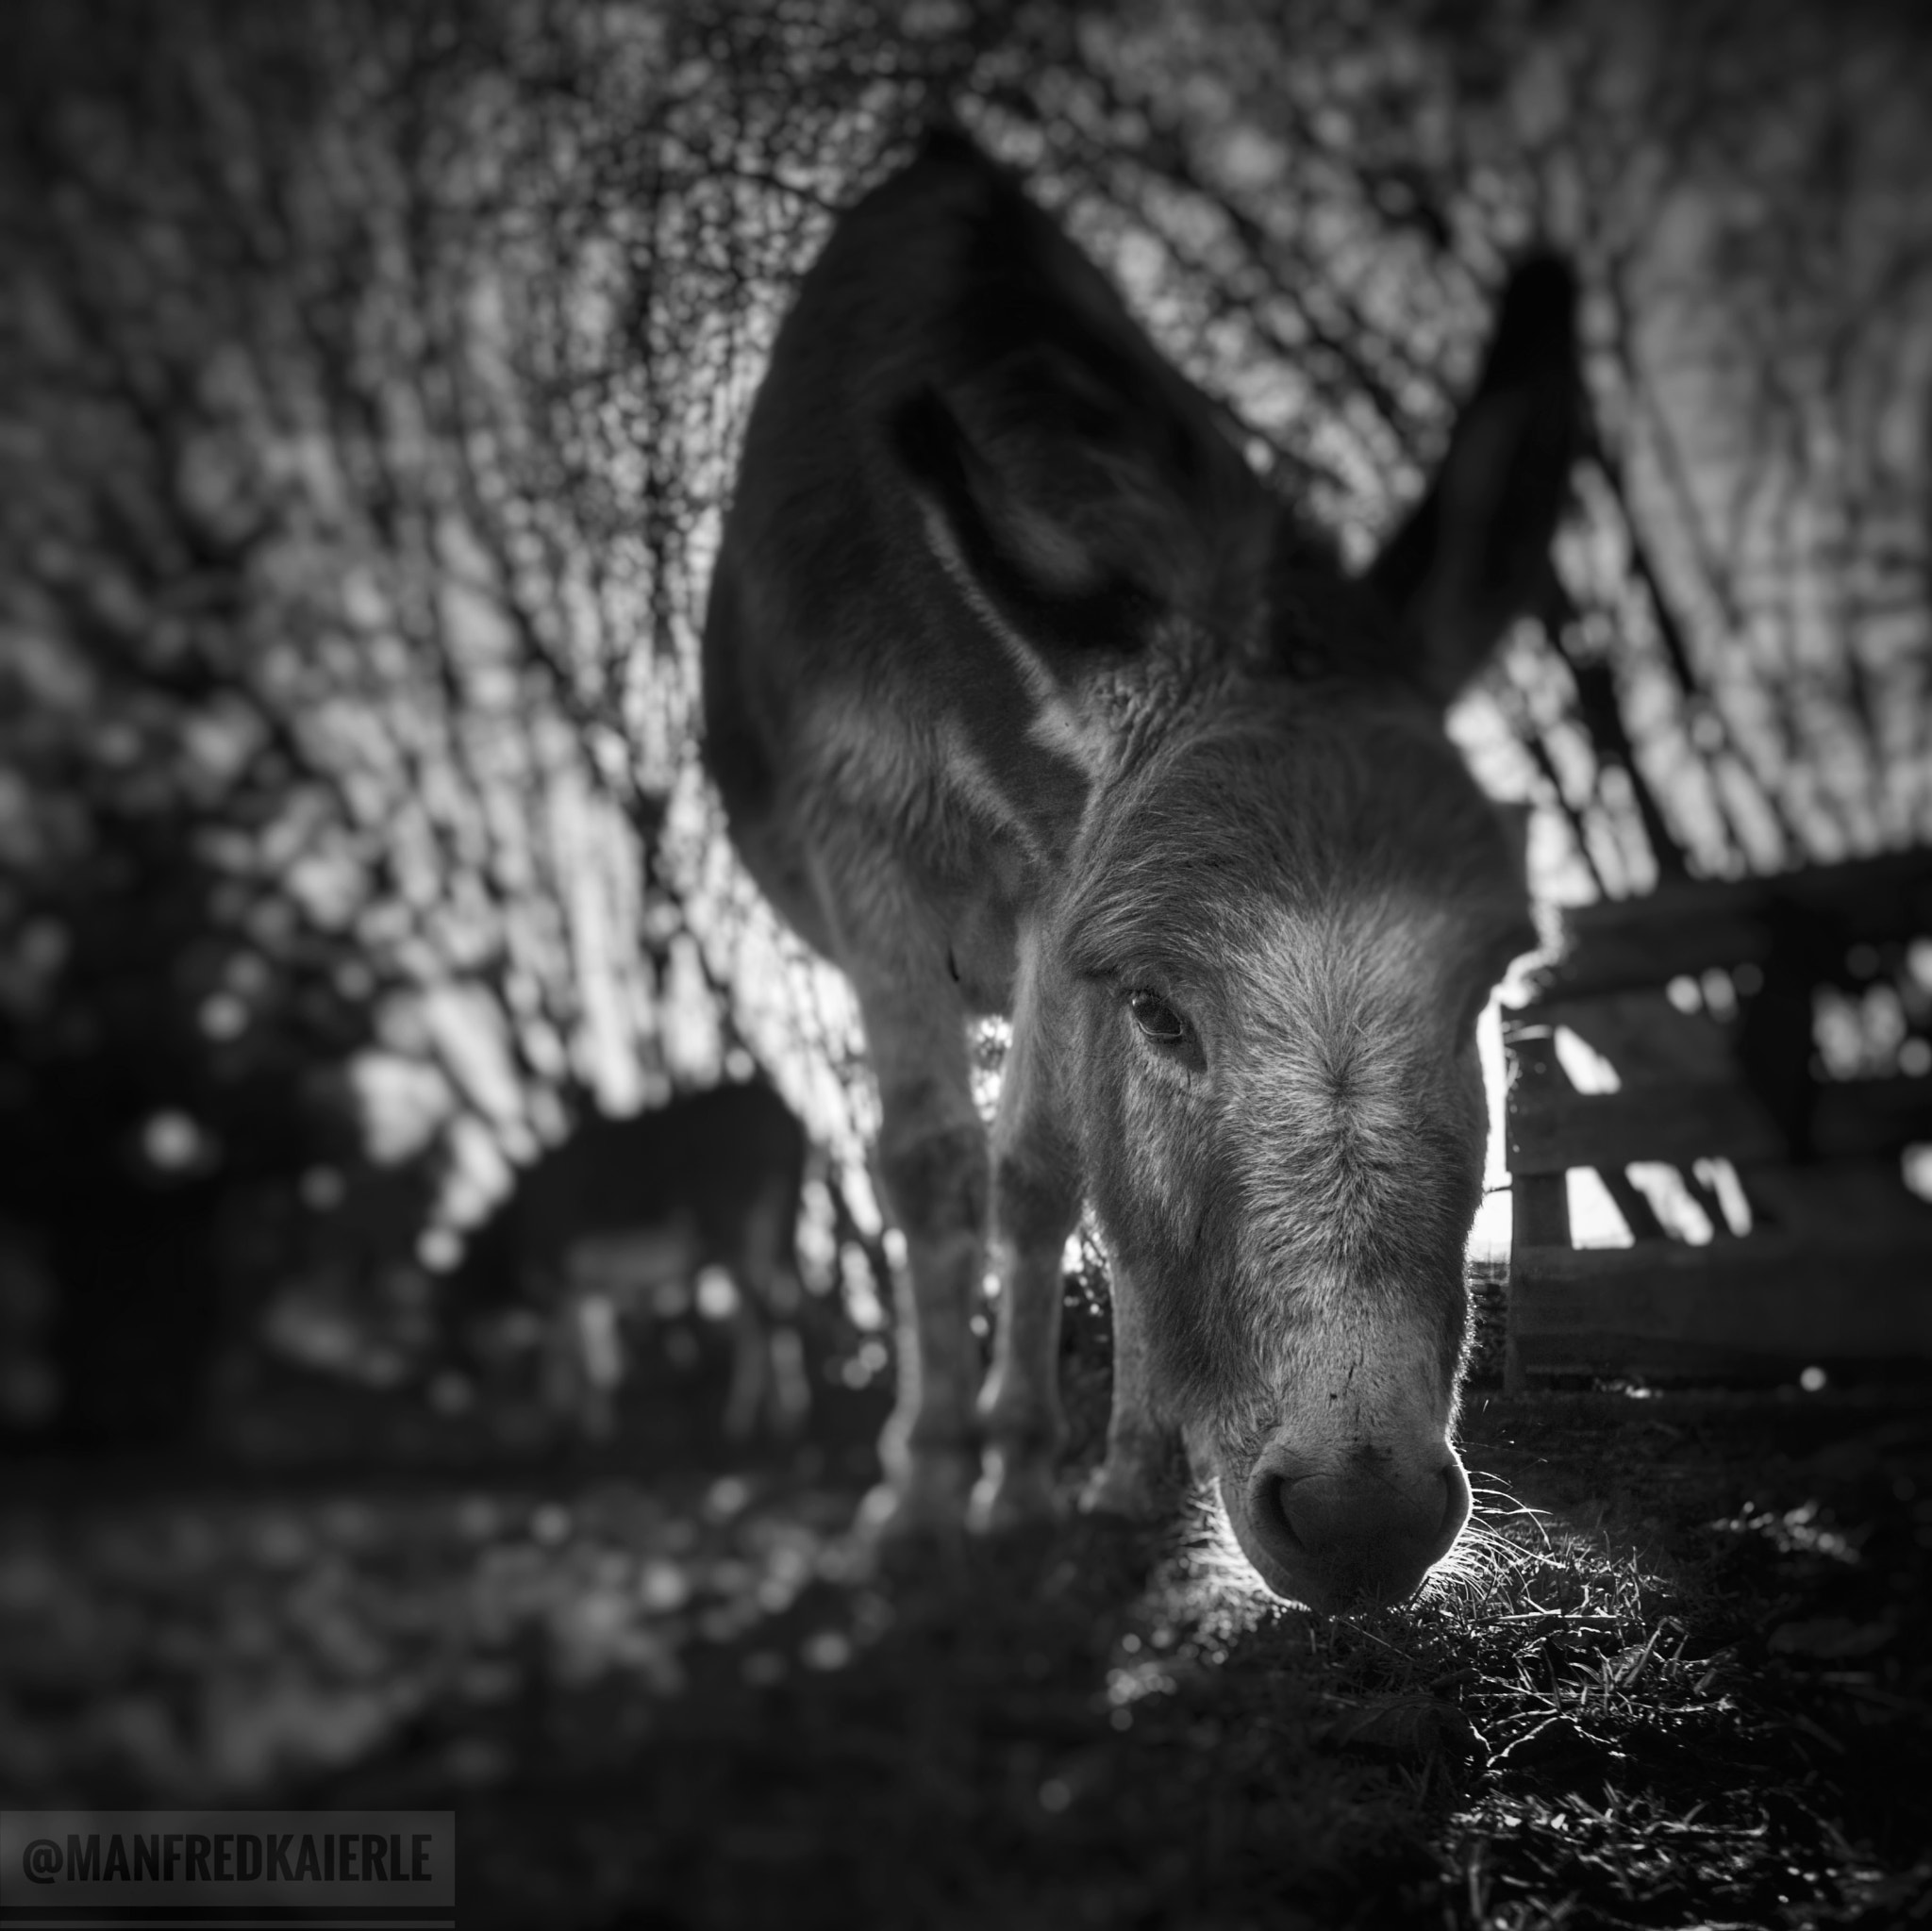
(1156, 1019)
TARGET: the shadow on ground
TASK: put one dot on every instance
(1682, 1677)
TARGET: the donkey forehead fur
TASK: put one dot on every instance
(1329, 805)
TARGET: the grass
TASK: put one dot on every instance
(1677, 1676)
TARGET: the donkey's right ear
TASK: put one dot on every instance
(1014, 561)
(1474, 553)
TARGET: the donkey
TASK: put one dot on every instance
(615, 1225)
(1025, 695)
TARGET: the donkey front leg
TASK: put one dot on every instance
(932, 1164)
(1133, 1480)
(1036, 1202)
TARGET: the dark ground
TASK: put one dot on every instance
(1685, 1679)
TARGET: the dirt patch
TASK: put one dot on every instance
(1681, 1677)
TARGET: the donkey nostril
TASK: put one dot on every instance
(1282, 1495)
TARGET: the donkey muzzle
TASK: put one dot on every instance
(1342, 1536)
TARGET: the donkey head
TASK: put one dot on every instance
(1265, 976)
(1257, 967)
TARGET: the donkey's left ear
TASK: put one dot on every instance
(1473, 554)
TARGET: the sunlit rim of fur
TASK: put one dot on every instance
(1468, 1580)
(1214, 1561)
(1476, 1570)
(1493, 1505)
(1480, 1570)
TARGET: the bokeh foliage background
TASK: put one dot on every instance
(371, 379)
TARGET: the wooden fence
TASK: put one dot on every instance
(1701, 999)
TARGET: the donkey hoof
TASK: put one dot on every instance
(926, 1503)
(894, 1540)
(1013, 1495)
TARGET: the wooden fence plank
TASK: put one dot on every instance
(1819, 1202)
(1766, 1299)
(1550, 1133)
(1839, 1267)
(1624, 943)
(1643, 1036)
